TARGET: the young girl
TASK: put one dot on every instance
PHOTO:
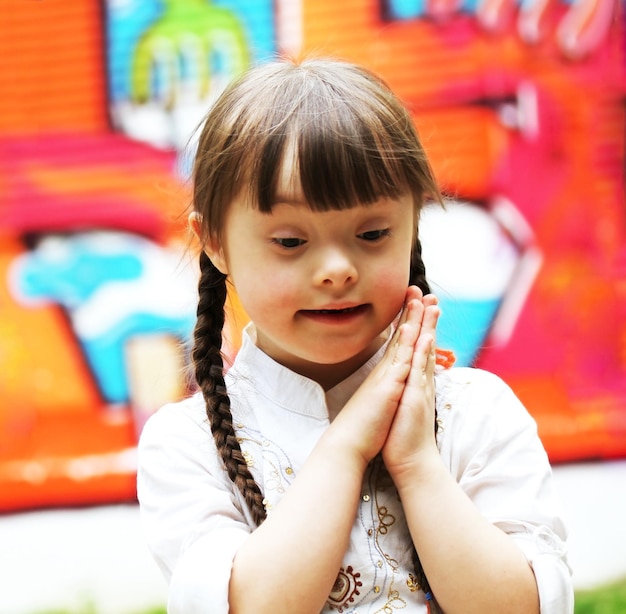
(310, 475)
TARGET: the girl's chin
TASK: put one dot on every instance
(344, 354)
(326, 351)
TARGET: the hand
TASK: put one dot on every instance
(365, 420)
(411, 438)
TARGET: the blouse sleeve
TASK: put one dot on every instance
(192, 518)
(491, 444)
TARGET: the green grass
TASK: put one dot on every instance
(91, 609)
(610, 599)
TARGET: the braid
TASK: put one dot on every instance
(209, 370)
(417, 277)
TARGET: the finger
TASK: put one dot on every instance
(413, 293)
(430, 326)
(430, 299)
(430, 319)
(420, 381)
(432, 360)
(425, 349)
(424, 354)
(405, 344)
(430, 304)
(414, 317)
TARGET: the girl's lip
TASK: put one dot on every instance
(335, 314)
(337, 308)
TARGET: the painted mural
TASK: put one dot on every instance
(521, 106)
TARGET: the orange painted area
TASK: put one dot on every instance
(566, 423)
(51, 76)
(60, 182)
(463, 146)
(60, 442)
(51, 414)
(72, 459)
(436, 65)
(43, 371)
(62, 169)
(463, 143)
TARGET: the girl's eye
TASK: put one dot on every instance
(288, 242)
(374, 235)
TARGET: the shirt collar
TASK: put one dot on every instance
(290, 390)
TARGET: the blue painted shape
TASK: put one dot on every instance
(106, 355)
(406, 9)
(74, 271)
(463, 326)
(127, 21)
(71, 274)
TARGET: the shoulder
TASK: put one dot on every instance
(466, 387)
(187, 416)
(186, 498)
(177, 435)
(489, 442)
(177, 455)
(477, 409)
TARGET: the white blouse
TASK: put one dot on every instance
(194, 519)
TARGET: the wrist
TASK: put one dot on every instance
(342, 452)
(418, 471)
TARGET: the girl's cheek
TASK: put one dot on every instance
(268, 290)
(392, 286)
(393, 277)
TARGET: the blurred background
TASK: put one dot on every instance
(521, 105)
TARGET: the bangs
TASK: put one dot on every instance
(345, 161)
(339, 160)
(348, 148)
(346, 136)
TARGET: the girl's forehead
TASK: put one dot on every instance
(290, 201)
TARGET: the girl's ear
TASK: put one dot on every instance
(212, 247)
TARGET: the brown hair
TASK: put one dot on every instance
(354, 143)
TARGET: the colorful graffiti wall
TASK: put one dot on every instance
(521, 106)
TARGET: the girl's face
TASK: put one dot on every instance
(320, 287)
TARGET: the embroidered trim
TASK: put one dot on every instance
(345, 589)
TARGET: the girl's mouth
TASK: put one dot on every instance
(338, 311)
(335, 315)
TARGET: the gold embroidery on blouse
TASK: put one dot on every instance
(385, 518)
(273, 480)
(248, 458)
(394, 602)
(345, 589)
(412, 583)
(276, 466)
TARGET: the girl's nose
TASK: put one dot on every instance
(336, 268)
